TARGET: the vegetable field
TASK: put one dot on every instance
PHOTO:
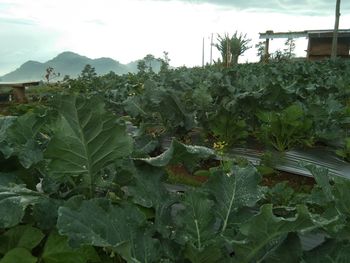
(155, 167)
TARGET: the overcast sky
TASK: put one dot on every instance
(126, 30)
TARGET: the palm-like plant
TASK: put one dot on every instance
(232, 47)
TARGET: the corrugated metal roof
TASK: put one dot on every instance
(305, 33)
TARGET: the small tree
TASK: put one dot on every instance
(88, 73)
(87, 81)
(141, 66)
(261, 50)
(164, 61)
(145, 65)
(149, 59)
(51, 74)
(232, 47)
(289, 49)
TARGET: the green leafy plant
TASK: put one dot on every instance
(345, 152)
(228, 128)
(232, 47)
(286, 129)
(86, 140)
(72, 189)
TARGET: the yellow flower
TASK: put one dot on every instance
(220, 145)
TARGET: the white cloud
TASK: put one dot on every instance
(127, 30)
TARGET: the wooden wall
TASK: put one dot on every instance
(321, 47)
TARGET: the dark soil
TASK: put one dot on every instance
(179, 174)
(297, 182)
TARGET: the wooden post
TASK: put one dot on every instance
(267, 46)
(335, 32)
(308, 48)
(228, 51)
(203, 53)
(211, 49)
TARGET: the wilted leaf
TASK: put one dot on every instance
(180, 153)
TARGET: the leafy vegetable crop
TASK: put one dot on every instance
(73, 191)
(79, 183)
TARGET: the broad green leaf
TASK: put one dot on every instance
(322, 179)
(20, 139)
(6, 179)
(179, 153)
(338, 192)
(18, 255)
(5, 123)
(24, 236)
(172, 251)
(228, 128)
(98, 223)
(57, 250)
(341, 195)
(45, 213)
(289, 251)
(146, 248)
(265, 232)
(280, 194)
(144, 145)
(233, 191)
(148, 178)
(87, 140)
(174, 113)
(13, 202)
(210, 254)
(196, 220)
(330, 251)
(293, 113)
(286, 129)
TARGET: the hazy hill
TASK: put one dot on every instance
(69, 63)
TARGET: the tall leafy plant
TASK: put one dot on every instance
(86, 140)
(286, 129)
(232, 47)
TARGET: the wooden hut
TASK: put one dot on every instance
(319, 44)
(19, 89)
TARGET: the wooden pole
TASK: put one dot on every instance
(203, 53)
(228, 51)
(335, 31)
(267, 46)
(211, 49)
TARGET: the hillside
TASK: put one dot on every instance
(68, 63)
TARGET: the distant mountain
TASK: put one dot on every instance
(69, 63)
